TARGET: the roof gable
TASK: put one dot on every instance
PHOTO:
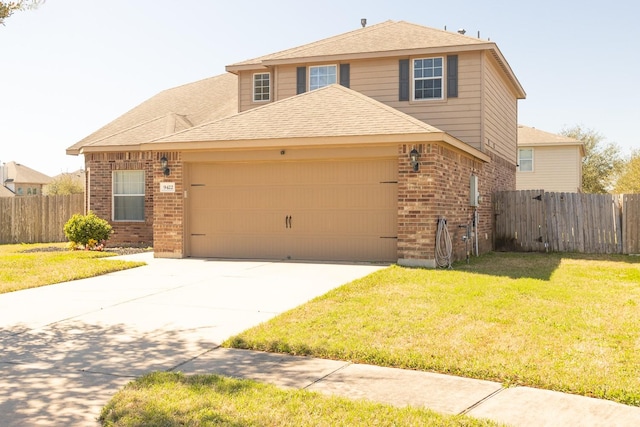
(387, 39)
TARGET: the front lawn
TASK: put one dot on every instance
(562, 322)
(172, 399)
(41, 265)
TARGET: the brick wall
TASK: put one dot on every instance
(440, 189)
(168, 226)
(99, 167)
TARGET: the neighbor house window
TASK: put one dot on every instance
(525, 160)
(261, 87)
(427, 78)
(128, 195)
(322, 76)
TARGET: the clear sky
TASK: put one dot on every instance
(72, 66)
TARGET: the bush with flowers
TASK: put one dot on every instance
(88, 232)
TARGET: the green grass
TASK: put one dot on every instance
(172, 399)
(559, 322)
(20, 270)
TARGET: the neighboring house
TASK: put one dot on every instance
(549, 162)
(350, 148)
(21, 180)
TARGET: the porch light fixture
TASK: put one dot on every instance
(164, 163)
(413, 156)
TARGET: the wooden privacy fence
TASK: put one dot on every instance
(37, 219)
(532, 220)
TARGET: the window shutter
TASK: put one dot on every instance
(452, 76)
(345, 70)
(404, 80)
(301, 80)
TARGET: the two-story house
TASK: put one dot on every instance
(547, 161)
(351, 148)
(20, 180)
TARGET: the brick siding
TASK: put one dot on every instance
(99, 167)
(168, 229)
(440, 189)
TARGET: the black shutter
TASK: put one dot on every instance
(301, 80)
(404, 80)
(345, 75)
(452, 76)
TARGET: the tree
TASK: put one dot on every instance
(629, 180)
(64, 184)
(602, 162)
(7, 8)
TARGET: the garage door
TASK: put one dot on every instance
(315, 210)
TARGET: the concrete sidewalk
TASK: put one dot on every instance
(517, 406)
(66, 349)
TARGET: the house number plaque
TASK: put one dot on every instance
(167, 187)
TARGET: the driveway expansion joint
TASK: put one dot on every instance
(481, 401)
(346, 365)
(192, 359)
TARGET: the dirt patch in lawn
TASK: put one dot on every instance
(120, 250)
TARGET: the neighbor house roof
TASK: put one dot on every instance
(22, 174)
(331, 115)
(389, 38)
(529, 136)
(5, 192)
(169, 111)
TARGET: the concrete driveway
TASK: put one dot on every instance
(66, 349)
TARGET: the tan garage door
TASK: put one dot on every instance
(315, 210)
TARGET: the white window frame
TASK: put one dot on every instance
(441, 77)
(520, 160)
(313, 86)
(259, 97)
(114, 195)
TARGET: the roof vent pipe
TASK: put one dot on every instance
(363, 22)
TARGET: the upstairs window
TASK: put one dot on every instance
(525, 160)
(427, 78)
(128, 195)
(261, 87)
(321, 76)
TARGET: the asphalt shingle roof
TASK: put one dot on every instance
(23, 174)
(328, 112)
(387, 36)
(532, 136)
(169, 111)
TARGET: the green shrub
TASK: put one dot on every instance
(87, 231)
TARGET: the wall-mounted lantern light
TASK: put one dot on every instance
(413, 156)
(164, 163)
